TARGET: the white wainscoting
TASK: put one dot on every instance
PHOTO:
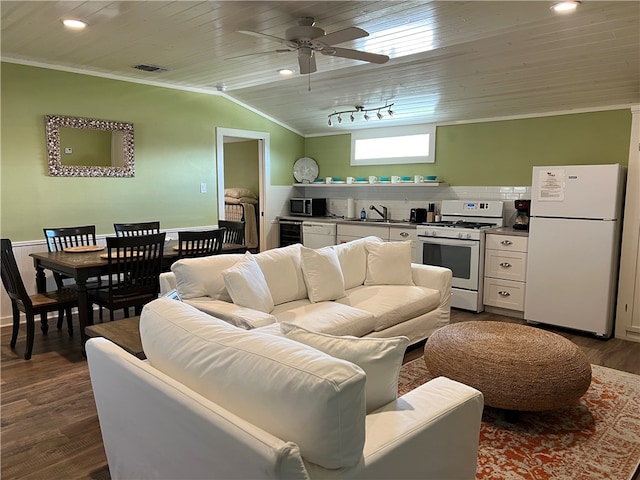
(21, 250)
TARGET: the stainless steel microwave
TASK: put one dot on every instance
(308, 207)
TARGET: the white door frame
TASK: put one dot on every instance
(264, 172)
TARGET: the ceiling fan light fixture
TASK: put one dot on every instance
(285, 72)
(565, 6)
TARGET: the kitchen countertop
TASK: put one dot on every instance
(392, 223)
(508, 231)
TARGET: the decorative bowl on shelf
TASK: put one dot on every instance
(384, 179)
(406, 179)
(431, 178)
(361, 179)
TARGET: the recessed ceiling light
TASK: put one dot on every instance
(74, 24)
(285, 72)
(565, 7)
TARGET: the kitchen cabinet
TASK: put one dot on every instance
(505, 268)
(355, 230)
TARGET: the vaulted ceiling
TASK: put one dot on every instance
(449, 61)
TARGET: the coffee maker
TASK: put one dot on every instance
(521, 221)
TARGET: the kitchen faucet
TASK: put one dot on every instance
(384, 213)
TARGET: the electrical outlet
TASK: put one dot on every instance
(203, 188)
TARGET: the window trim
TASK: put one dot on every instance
(426, 128)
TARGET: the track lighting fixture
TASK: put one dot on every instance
(365, 111)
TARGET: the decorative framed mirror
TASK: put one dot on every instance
(88, 147)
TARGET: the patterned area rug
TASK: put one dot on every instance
(597, 439)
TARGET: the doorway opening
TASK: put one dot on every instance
(261, 142)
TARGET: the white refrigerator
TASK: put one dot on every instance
(574, 246)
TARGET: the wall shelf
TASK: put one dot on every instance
(373, 185)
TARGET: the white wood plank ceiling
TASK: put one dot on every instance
(450, 61)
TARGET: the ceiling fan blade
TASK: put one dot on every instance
(262, 35)
(307, 63)
(356, 55)
(341, 36)
(280, 50)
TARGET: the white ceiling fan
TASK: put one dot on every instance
(306, 39)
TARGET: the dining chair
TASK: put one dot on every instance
(59, 239)
(139, 228)
(31, 305)
(234, 233)
(134, 265)
(200, 244)
(233, 236)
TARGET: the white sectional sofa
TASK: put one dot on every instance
(364, 288)
(214, 401)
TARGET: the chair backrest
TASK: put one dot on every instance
(134, 229)
(11, 278)
(234, 231)
(134, 264)
(200, 244)
(60, 238)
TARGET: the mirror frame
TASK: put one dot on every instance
(53, 124)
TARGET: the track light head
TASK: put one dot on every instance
(379, 115)
(329, 123)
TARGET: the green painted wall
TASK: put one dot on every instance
(241, 164)
(174, 152)
(496, 153)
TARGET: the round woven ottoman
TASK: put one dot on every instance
(516, 367)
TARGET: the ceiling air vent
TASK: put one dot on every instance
(150, 68)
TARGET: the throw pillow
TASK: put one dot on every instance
(322, 274)
(380, 358)
(246, 285)
(389, 263)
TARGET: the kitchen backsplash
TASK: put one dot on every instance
(400, 201)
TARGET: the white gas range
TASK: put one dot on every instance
(457, 242)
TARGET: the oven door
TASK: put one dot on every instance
(460, 256)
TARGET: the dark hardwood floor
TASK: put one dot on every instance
(49, 425)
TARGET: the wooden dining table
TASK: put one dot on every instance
(85, 265)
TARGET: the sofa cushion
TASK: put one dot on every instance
(247, 286)
(327, 317)
(292, 391)
(202, 277)
(389, 263)
(283, 273)
(241, 317)
(353, 260)
(380, 358)
(392, 304)
(322, 274)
